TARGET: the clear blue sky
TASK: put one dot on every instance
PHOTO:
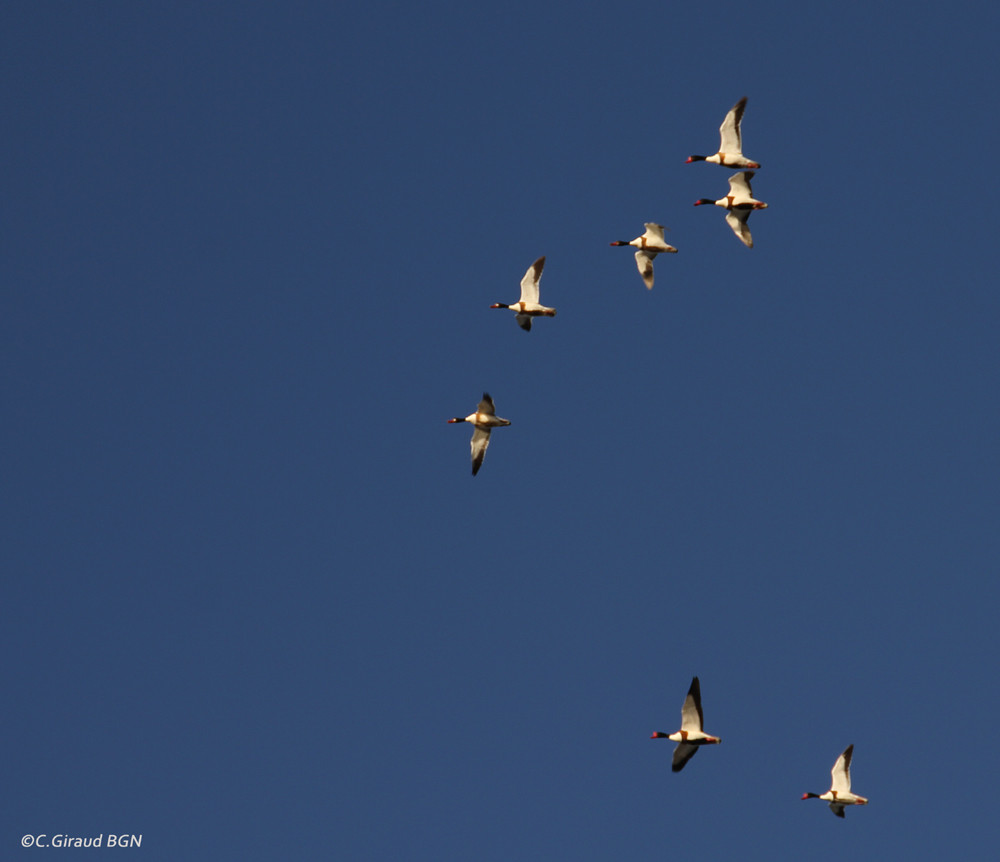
(255, 605)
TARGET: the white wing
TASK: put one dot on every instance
(529, 284)
(486, 405)
(654, 231)
(480, 440)
(737, 220)
(644, 260)
(691, 716)
(729, 131)
(841, 772)
(739, 186)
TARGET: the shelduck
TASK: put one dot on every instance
(484, 420)
(730, 153)
(528, 306)
(650, 244)
(739, 203)
(691, 735)
(839, 793)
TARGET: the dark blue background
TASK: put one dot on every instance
(255, 606)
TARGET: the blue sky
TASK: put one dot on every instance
(256, 606)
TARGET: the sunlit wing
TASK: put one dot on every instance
(486, 405)
(654, 231)
(644, 260)
(529, 284)
(841, 772)
(739, 186)
(731, 140)
(691, 715)
(737, 220)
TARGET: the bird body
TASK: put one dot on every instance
(484, 421)
(730, 153)
(650, 244)
(528, 306)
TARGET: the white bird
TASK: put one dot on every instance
(730, 153)
(528, 306)
(650, 244)
(691, 735)
(739, 203)
(484, 420)
(839, 793)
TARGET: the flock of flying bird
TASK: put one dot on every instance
(692, 735)
(739, 203)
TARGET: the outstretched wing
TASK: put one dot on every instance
(529, 284)
(653, 231)
(524, 321)
(480, 440)
(644, 260)
(486, 405)
(837, 808)
(731, 140)
(682, 754)
(691, 715)
(739, 186)
(737, 220)
(841, 772)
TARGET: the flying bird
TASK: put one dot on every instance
(650, 244)
(528, 306)
(839, 793)
(739, 203)
(691, 735)
(730, 153)
(484, 420)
